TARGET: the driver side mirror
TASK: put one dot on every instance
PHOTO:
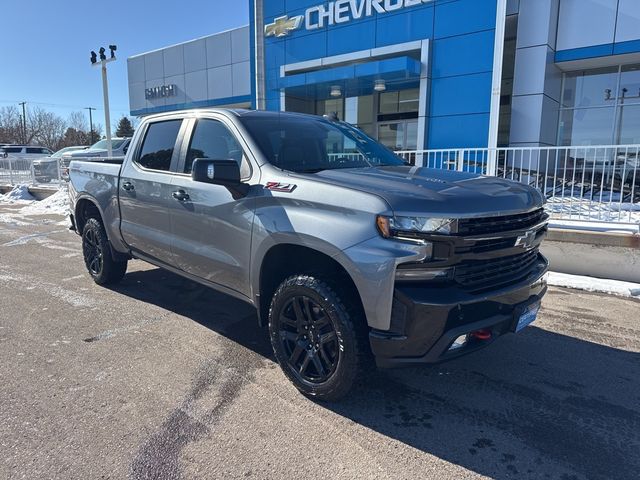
(218, 172)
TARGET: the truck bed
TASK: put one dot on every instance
(97, 181)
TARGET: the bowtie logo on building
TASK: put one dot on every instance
(282, 26)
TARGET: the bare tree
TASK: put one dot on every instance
(78, 121)
(10, 126)
(51, 131)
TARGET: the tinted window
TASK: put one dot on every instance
(35, 150)
(158, 144)
(12, 149)
(211, 139)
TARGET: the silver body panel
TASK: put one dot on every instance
(221, 240)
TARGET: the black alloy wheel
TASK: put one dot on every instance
(96, 251)
(92, 251)
(313, 335)
(308, 339)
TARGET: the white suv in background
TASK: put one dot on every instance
(24, 152)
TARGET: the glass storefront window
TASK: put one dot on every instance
(391, 135)
(401, 135)
(630, 84)
(408, 100)
(365, 109)
(629, 131)
(412, 136)
(586, 126)
(399, 102)
(590, 88)
(601, 107)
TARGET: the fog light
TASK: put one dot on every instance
(422, 274)
(459, 342)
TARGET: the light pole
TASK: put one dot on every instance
(105, 88)
(91, 140)
(24, 122)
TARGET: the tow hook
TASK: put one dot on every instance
(483, 334)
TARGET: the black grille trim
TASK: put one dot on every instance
(482, 225)
(482, 274)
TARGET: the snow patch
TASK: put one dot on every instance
(592, 284)
(56, 204)
(19, 194)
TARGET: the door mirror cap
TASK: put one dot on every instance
(218, 172)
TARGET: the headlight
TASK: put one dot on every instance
(399, 227)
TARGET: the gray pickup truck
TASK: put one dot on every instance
(344, 249)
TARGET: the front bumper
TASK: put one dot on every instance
(426, 319)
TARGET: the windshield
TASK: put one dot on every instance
(102, 144)
(311, 144)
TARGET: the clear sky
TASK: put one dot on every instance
(45, 45)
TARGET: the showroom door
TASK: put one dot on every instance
(399, 135)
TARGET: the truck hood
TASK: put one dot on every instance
(419, 191)
(98, 152)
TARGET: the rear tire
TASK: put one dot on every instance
(314, 338)
(96, 251)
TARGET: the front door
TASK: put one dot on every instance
(145, 191)
(211, 223)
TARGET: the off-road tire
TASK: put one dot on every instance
(96, 252)
(349, 327)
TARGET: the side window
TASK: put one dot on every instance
(211, 139)
(34, 150)
(158, 144)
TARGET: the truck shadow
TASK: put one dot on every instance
(536, 405)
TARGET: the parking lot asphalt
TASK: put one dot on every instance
(159, 377)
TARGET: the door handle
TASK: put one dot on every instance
(128, 186)
(180, 195)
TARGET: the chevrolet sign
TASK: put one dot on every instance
(335, 13)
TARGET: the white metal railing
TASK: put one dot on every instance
(41, 171)
(590, 183)
(15, 171)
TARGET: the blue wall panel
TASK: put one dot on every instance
(356, 37)
(414, 24)
(459, 131)
(273, 8)
(463, 54)
(464, 16)
(460, 95)
(306, 47)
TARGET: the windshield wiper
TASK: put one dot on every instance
(311, 170)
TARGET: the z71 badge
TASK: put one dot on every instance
(280, 187)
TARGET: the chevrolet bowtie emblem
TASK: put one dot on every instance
(527, 240)
(281, 26)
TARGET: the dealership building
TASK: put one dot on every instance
(419, 74)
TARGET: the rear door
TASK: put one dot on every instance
(212, 225)
(145, 190)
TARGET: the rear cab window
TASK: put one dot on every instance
(158, 145)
